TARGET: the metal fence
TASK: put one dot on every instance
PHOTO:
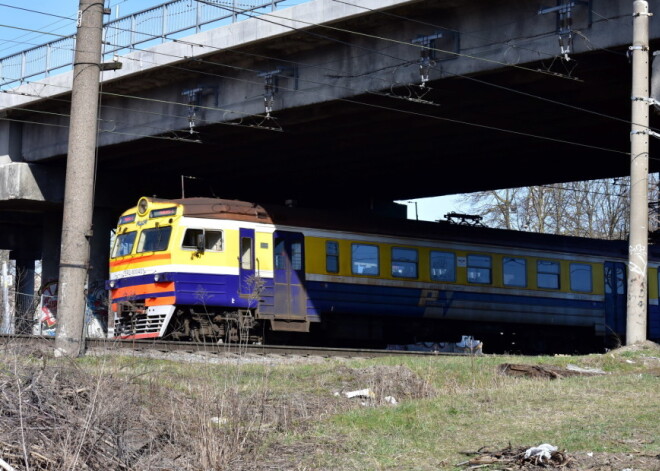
(18, 312)
(155, 25)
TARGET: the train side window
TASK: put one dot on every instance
(404, 262)
(364, 259)
(514, 271)
(212, 239)
(154, 240)
(479, 269)
(246, 253)
(332, 256)
(581, 277)
(547, 274)
(123, 244)
(443, 266)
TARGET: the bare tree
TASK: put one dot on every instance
(595, 209)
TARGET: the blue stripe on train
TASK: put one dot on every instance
(192, 289)
(347, 298)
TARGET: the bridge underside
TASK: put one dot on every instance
(474, 136)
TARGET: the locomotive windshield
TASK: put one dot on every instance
(154, 240)
(123, 244)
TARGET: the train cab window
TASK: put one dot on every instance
(443, 266)
(332, 256)
(123, 244)
(581, 277)
(514, 271)
(155, 239)
(364, 259)
(479, 269)
(404, 262)
(547, 274)
(212, 239)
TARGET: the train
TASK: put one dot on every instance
(219, 270)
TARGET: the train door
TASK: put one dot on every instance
(289, 277)
(246, 271)
(615, 296)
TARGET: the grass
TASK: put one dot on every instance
(290, 416)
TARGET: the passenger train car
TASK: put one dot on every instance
(222, 270)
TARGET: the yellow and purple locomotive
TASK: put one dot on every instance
(212, 269)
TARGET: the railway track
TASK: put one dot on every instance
(220, 349)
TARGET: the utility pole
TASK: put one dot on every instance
(79, 186)
(639, 172)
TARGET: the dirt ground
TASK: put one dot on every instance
(514, 459)
(56, 418)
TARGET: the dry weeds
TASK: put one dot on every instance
(107, 415)
(57, 415)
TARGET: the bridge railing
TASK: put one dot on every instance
(144, 28)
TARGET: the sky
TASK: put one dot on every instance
(25, 24)
(53, 18)
(56, 17)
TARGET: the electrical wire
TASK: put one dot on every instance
(529, 135)
(418, 114)
(381, 38)
(378, 52)
(438, 50)
(492, 128)
(35, 11)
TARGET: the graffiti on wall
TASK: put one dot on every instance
(96, 310)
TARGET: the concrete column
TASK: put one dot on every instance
(10, 142)
(103, 221)
(51, 241)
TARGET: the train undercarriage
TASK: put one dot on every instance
(199, 324)
(238, 326)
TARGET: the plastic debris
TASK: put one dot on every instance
(579, 369)
(391, 400)
(467, 345)
(542, 455)
(541, 452)
(363, 393)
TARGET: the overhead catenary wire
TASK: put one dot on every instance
(492, 128)
(390, 108)
(434, 49)
(456, 121)
(405, 61)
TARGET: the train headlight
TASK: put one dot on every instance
(143, 206)
(112, 284)
(157, 277)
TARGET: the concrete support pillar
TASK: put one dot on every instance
(51, 242)
(10, 142)
(25, 299)
(103, 221)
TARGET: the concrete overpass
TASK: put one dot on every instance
(321, 103)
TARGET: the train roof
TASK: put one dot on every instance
(369, 223)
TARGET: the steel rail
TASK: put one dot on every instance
(226, 348)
